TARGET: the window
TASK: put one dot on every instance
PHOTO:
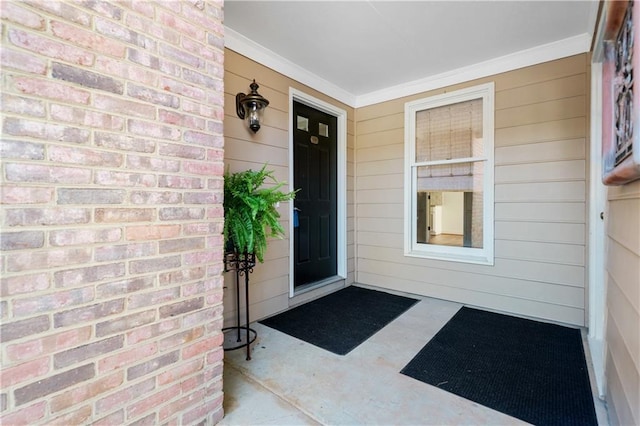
(449, 176)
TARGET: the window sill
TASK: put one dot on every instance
(461, 258)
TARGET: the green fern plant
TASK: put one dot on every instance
(250, 215)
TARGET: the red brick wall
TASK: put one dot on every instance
(112, 162)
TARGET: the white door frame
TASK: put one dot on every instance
(597, 230)
(341, 116)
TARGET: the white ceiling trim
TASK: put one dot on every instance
(249, 48)
(524, 58)
(544, 53)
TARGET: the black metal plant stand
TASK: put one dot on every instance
(242, 264)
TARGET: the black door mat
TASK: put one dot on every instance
(530, 370)
(341, 321)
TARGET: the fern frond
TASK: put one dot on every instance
(250, 210)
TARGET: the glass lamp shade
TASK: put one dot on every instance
(254, 113)
(251, 107)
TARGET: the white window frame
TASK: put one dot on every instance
(484, 255)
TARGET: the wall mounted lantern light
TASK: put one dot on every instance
(251, 106)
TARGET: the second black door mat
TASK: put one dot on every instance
(527, 369)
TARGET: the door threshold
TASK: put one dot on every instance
(316, 284)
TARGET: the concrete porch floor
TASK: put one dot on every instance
(290, 382)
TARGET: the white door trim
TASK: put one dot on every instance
(341, 115)
(597, 236)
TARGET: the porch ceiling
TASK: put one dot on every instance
(362, 47)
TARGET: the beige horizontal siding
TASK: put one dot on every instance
(557, 150)
(556, 171)
(269, 282)
(566, 254)
(571, 128)
(380, 124)
(507, 286)
(524, 307)
(623, 303)
(541, 192)
(380, 196)
(560, 274)
(367, 240)
(547, 71)
(390, 137)
(569, 233)
(541, 112)
(378, 168)
(380, 182)
(380, 210)
(382, 152)
(543, 212)
(540, 195)
(255, 153)
(544, 91)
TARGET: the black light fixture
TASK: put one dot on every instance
(251, 106)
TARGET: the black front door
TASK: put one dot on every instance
(315, 177)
